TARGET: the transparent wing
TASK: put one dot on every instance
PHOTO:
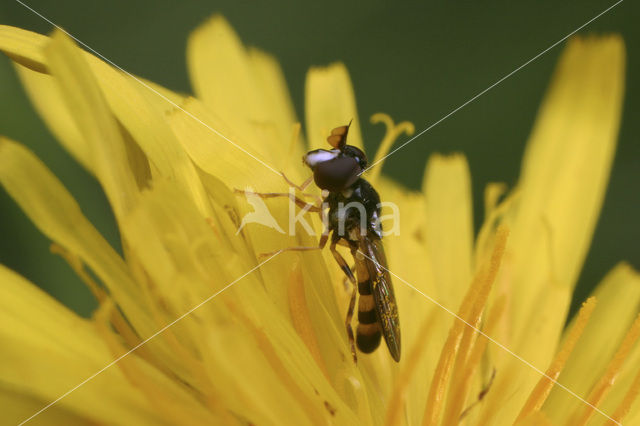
(382, 290)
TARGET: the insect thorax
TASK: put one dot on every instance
(347, 207)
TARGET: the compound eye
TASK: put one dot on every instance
(315, 157)
(357, 153)
(336, 174)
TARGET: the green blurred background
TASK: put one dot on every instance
(416, 62)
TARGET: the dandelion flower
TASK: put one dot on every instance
(223, 336)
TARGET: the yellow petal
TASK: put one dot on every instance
(536, 419)
(47, 100)
(558, 199)
(302, 373)
(50, 104)
(188, 262)
(566, 169)
(46, 97)
(54, 211)
(300, 316)
(408, 247)
(173, 400)
(631, 396)
(17, 407)
(463, 327)
(526, 368)
(48, 350)
(276, 94)
(405, 251)
(449, 231)
(253, 388)
(545, 385)
(24, 47)
(410, 369)
(176, 246)
(464, 370)
(95, 122)
(603, 386)
(618, 298)
(330, 103)
(180, 251)
(141, 111)
(165, 99)
(237, 170)
(230, 158)
(181, 261)
(238, 88)
(622, 399)
(220, 72)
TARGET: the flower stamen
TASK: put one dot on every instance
(542, 390)
(625, 406)
(468, 315)
(397, 400)
(466, 366)
(279, 367)
(151, 384)
(393, 131)
(607, 380)
(119, 323)
(300, 317)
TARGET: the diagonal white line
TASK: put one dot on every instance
(146, 340)
(500, 345)
(494, 84)
(148, 87)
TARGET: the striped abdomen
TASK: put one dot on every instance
(368, 333)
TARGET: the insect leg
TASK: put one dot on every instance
(323, 242)
(480, 397)
(352, 302)
(299, 202)
(343, 263)
(300, 187)
(346, 282)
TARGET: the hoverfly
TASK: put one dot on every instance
(337, 171)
